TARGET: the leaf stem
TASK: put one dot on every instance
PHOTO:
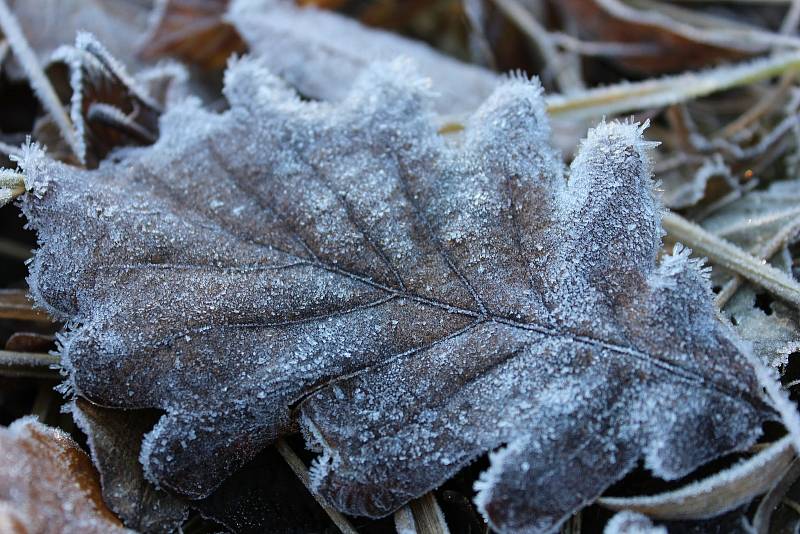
(301, 471)
(731, 257)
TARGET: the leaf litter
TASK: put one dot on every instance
(410, 301)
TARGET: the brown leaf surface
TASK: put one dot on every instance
(48, 484)
(194, 31)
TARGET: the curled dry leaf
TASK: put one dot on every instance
(718, 493)
(411, 304)
(263, 496)
(48, 24)
(141, 506)
(321, 53)
(48, 484)
(193, 30)
(108, 107)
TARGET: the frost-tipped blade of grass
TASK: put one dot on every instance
(629, 97)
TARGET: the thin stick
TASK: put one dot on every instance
(29, 359)
(567, 79)
(629, 97)
(43, 402)
(731, 257)
(765, 252)
(28, 365)
(14, 304)
(301, 472)
(10, 150)
(763, 106)
(12, 249)
(39, 82)
(791, 19)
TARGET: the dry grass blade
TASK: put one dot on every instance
(717, 493)
(14, 304)
(39, 82)
(12, 185)
(28, 365)
(421, 516)
(766, 104)
(731, 257)
(404, 521)
(765, 252)
(299, 468)
(629, 97)
(773, 498)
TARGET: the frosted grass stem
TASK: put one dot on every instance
(731, 257)
(630, 97)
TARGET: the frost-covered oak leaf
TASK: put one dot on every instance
(410, 303)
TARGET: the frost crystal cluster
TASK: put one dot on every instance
(409, 303)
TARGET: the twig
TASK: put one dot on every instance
(731, 257)
(38, 81)
(698, 26)
(300, 470)
(566, 78)
(765, 252)
(601, 48)
(791, 19)
(28, 365)
(12, 249)
(9, 149)
(14, 304)
(629, 97)
(770, 100)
